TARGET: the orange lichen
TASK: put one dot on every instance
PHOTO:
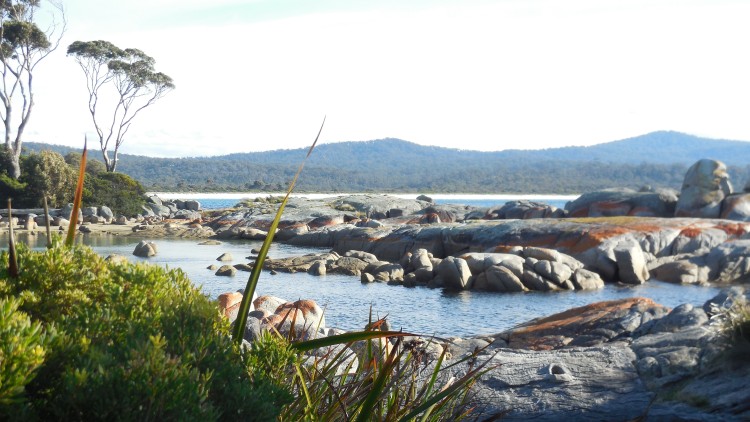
(732, 229)
(691, 232)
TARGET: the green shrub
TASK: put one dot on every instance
(21, 354)
(120, 192)
(132, 342)
(47, 173)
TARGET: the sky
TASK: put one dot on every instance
(254, 75)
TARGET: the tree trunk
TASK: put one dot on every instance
(15, 166)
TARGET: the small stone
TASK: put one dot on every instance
(225, 257)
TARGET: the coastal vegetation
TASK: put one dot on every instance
(49, 174)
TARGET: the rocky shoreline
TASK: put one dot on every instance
(628, 359)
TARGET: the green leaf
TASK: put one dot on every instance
(345, 338)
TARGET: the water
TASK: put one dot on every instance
(210, 201)
(347, 301)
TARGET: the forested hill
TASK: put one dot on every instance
(658, 159)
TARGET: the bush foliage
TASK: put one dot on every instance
(96, 340)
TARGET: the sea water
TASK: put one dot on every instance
(348, 302)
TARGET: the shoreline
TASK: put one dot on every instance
(445, 196)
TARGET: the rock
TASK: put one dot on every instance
(153, 199)
(726, 299)
(681, 272)
(229, 305)
(145, 249)
(348, 265)
(226, 271)
(736, 207)
(89, 211)
(364, 256)
(385, 271)
(243, 267)
(210, 242)
(225, 257)
(106, 213)
(681, 317)
(212, 267)
(268, 304)
(192, 205)
(455, 273)
(586, 280)
(588, 325)
(425, 198)
(524, 209)
(186, 215)
(121, 220)
(631, 265)
(305, 316)
(501, 279)
(317, 269)
(705, 186)
(367, 278)
(420, 259)
(622, 202)
(116, 259)
(84, 229)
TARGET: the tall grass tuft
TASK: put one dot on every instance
(78, 196)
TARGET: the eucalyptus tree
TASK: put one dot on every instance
(121, 83)
(23, 45)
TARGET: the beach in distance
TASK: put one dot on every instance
(213, 200)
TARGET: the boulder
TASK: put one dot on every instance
(680, 271)
(145, 249)
(455, 273)
(304, 317)
(229, 305)
(160, 210)
(584, 279)
(225, 257)
(705, 186)
(348, 265)
(317, 269)
(631, 265)
(153, 199)
(89, 211)
(226, 271)
(106, 213)
(268, 304)
(622, 201)
(736, 207)
(501, 279)
(121, 220)
(524, 209)
(192, 205)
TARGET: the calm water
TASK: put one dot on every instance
(348, 302)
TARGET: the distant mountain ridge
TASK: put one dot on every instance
(657, 158)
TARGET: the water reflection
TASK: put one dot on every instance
(348, 302)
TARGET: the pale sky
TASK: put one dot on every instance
(255, 75)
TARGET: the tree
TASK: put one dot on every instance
(133, 85)
(23, 45)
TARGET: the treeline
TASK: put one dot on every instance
(393, 165)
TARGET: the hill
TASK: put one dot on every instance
(392, 165)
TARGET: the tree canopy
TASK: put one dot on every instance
(121, 83)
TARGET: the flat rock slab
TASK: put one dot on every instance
(593, 383)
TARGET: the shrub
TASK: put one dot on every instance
(21, 354)
(46, 173)
(120, 192)
(132, 342)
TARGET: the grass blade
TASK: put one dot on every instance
(252, 282)
(47, 223)
(78, 197)
(12, 258)
(345, 338)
